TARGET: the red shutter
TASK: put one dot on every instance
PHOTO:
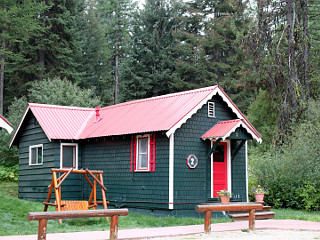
(134, 154)
(153, 153)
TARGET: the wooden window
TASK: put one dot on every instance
(143, 153)
(36, 154)
(69, 155)
(211, 110)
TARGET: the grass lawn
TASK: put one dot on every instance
(297, 214)
(13, 217)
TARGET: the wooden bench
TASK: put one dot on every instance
(43, 217)
(218, 207)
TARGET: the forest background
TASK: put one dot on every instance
(264, 53)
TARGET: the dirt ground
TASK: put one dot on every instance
(249, 235)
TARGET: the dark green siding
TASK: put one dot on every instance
(193, 185)
(238, 171)
(145, 190)
(34, 180)
(141, 189)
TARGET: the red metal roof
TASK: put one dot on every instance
(225, 128)
(60, 122)
(147, 115)
(4, 123)
(163, 113)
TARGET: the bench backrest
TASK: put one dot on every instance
(77, 214)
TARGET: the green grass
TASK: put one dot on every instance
(13, 217)
(297, 214)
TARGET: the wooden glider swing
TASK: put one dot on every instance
(75, 205)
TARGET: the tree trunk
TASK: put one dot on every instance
(3, 46)
(304, 6)
(116, 71)
(41, 63)
(2, 59)
(291, 61)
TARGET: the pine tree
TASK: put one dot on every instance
(115, 17)
(149, 69)
(59, 45)
(94, 62)
(210, 49)
(19, 24)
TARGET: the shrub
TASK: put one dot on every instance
(284, 170)
(52, 91)
(9, 174)
(310, 195)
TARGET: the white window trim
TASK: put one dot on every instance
(35, 146)
(61, 156)
(228, 167)
(213, 114)
(148, 154)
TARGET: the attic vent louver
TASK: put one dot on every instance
(98, 118)
(211, 110)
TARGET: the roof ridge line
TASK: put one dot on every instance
(169, 95)
(42, 105)
(85, 123)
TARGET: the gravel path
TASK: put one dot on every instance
(246, 235)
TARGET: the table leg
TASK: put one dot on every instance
(252, 219)
(114, 228)
(207, 222)
(42, 230)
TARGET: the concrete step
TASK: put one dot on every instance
(245, 215)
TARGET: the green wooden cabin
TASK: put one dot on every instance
(162, 155)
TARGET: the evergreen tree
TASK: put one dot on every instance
(209, 47)
(94, 67)
(59, 45)
(149, 67)
(115, 17)
(19, 24)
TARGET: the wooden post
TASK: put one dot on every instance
(114, 228)
(95, 193)
(207, 222)
(104, 200)
(56, 192)
(252, 219)
(49, 195)
(42, 230)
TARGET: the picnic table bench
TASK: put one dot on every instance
(233, 206)
(44, 216)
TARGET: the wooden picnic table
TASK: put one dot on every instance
(233, 206)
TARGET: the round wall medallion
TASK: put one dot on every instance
(192, 161)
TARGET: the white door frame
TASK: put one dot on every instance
(228, 167)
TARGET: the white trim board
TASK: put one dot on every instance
(171, 171)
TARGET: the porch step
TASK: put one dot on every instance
(265, 213)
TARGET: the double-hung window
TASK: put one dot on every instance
(36, 154)
(69, 155)
(143, 153)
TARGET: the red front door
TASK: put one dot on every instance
(220, 174)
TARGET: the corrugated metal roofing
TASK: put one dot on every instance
(4, 123)
(163, 113)
(225, 128)
(60, 122)
(148, 115)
